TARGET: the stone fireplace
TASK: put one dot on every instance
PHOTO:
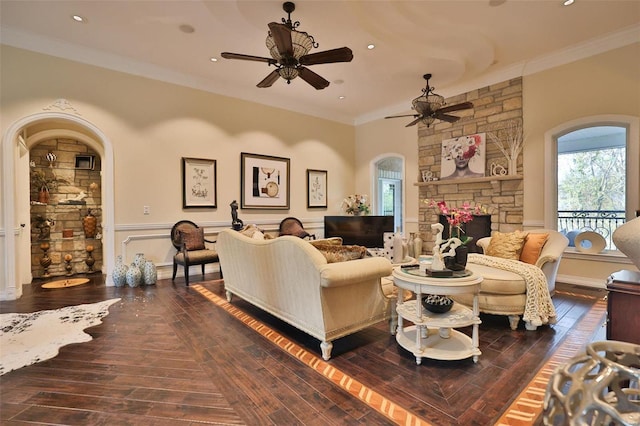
(501, 195)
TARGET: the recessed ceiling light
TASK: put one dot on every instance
(187, 29)
(212, 59)
(78, 18)
(371, 46)
(341, 97)
(567, 2)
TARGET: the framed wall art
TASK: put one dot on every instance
(463, 157)
(198, 183)
(316, 188)
(264, 182)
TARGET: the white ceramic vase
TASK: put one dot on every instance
(627, 239)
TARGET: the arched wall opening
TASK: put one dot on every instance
(15, 187)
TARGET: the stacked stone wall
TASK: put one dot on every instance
(495, 107)
(66, 216)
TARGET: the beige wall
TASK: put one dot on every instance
(381, 138)
(152, 124)
(608, 83)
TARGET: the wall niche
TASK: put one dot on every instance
(65, 222)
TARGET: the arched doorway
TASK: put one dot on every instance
(15, 184)
(388, 187)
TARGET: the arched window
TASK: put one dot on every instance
(389, 173)
(593, 184)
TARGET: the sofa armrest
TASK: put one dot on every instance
(353, 271)
(483, 243)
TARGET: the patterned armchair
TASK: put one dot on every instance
(189, 241)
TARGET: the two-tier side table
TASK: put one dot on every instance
(433, 335)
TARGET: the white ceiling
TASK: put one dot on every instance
(465, 44)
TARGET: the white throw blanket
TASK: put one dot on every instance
(539, 307)
(29, 338)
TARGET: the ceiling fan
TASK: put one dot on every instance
(431, 106)
(289, 53)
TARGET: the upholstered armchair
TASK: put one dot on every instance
(189, 241)
(504, 290)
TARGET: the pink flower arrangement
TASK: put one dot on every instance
(456, 216)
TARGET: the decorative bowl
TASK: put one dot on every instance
(437, 304)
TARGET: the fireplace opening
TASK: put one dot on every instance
(479, 227)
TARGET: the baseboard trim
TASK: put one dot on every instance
(581, 281)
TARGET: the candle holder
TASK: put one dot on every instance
(67, 266)
(45, 261)
(89, 260)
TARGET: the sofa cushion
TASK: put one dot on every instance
(339, 253)
(497, 281)
(506, 245)
(532, 247)
(193, 239)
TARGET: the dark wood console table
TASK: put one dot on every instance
(623, 307)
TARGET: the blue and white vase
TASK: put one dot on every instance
(150, 275)
(119, 272)
(134, 276)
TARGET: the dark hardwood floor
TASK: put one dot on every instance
(165, 355)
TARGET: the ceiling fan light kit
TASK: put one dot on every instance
(430, 107)
(289, 50)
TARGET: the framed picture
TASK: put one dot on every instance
(463, 157)
(316, 188)
(198, 183)
(264, 182)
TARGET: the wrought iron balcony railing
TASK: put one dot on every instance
(604, 222)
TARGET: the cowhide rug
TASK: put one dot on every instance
(29, 338)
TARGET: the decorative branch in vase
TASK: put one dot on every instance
(510, 144)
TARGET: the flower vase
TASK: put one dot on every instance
(459, 261)
(150, 275)
(513, 166)
(43, 196)
(134, 276)
(119, 272)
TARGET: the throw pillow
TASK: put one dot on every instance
(506, 245)
(336, 253)
(533, 244)
(194, 240)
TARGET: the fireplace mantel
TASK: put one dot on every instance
(469, 180)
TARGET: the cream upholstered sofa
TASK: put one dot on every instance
(503, 291)
(291, 279)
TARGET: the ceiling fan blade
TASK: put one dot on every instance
(282, 37)
(229, 55)
(457, 107)
(341, 54)
(414, 122)
(446, 117)
(404, 115)
(270, 79)
(312, 78)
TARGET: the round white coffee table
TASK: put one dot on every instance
(433, 335)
